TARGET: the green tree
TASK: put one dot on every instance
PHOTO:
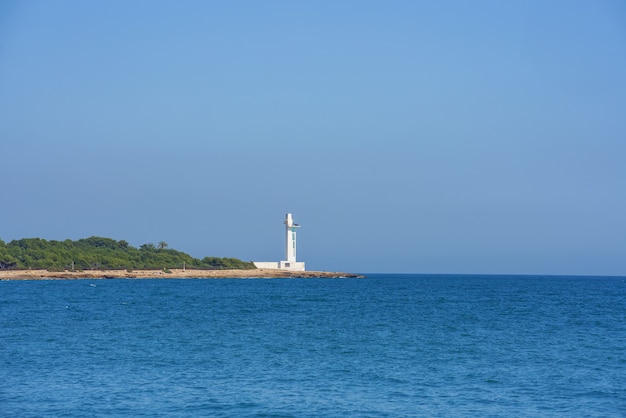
(102, 253)
(147, 247)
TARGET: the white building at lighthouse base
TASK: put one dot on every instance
(282, 265)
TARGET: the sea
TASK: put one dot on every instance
(382, 346)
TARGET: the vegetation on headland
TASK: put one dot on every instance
(98, 253)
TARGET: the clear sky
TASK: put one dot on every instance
(404, 136)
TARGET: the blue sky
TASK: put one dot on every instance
(405, 136)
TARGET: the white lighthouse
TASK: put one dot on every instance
(290, 241)
(289, 263)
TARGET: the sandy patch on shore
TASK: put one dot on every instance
(159, 274)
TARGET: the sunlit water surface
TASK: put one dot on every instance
(386, 345)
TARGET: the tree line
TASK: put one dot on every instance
(98, 253)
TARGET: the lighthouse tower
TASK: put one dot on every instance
(290, 242)
(290, 262)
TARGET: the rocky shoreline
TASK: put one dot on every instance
(169, 274)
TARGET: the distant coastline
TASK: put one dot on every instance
(170, 274)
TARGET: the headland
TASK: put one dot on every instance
(169, 274)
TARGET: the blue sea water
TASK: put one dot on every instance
(386, 345)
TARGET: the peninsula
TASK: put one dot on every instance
(105, 258)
